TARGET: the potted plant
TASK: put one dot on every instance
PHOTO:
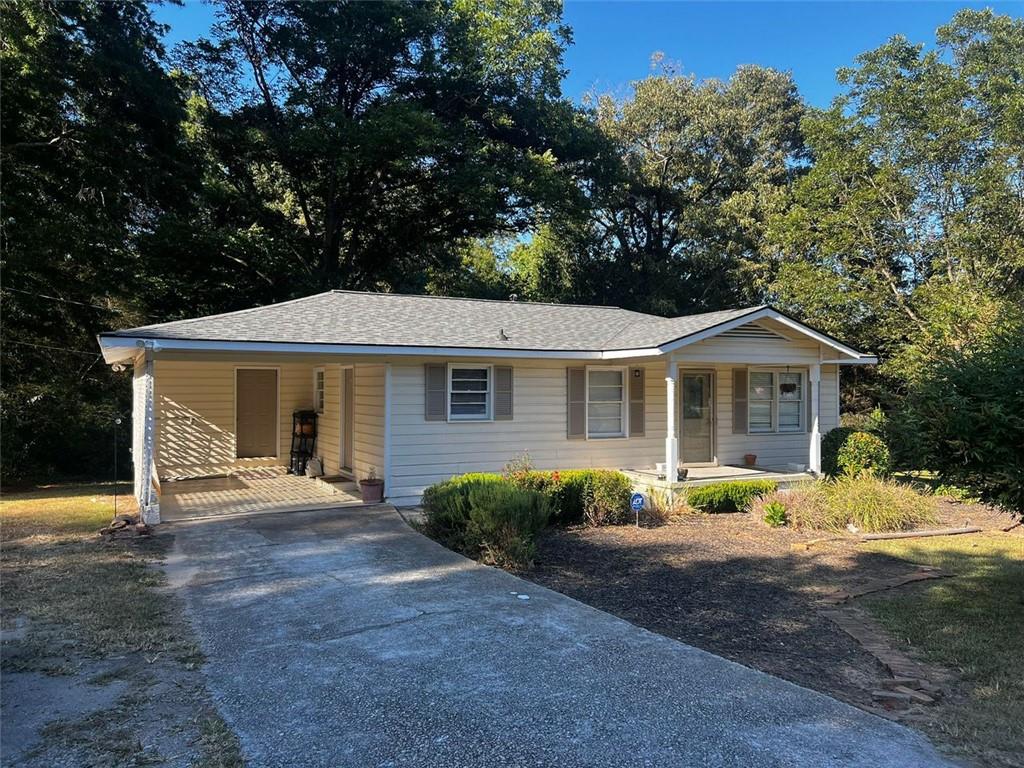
(372, 487)
(750, 459)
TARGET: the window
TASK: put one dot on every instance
(318, 390)
(606, 402)
(469, 393)
(776, 401)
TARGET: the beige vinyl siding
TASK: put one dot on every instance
(767, 351)
(424, 452)
(195, 417)
(368, 421)
(771, 449)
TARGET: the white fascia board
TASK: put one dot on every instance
(819, 337)
(619, 354)
(861, 360)
(119, 348)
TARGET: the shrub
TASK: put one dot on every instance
(775, 514)
(863, 452)
(663, 506)
(728, 497)
(503, 522)
(874, 505)
(830, 445)
(591, 496)
(486, 517)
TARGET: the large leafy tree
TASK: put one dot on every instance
(676, 224)
(912, 215)
(373, 141)
(91, 156)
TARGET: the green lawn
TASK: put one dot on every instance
(971, 624)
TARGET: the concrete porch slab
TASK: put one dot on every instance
(258, 490)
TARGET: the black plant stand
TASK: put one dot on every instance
(303, 441)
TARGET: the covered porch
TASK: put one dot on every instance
(691, 477)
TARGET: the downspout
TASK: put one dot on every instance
(149, 503)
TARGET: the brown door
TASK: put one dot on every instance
(256, 413)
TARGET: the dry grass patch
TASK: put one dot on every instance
(77, 592)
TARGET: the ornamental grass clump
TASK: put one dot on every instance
(803, 504)
(874, 505)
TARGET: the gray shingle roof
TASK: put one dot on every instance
(385, 319)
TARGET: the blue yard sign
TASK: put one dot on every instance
(636, 503)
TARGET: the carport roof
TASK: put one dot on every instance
(392, 321)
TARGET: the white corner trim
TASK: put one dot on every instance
(388, 404)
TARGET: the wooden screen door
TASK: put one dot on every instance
(347, 418)
(255, 413)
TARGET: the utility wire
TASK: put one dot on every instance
(47, 346)
(66, 301)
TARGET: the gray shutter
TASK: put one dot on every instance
(502, 393)
(576, 403)
(435, 378)
(636, 402)
(739, 401)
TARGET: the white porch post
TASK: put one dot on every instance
(814, 458)
(671, 441)
(149, 503)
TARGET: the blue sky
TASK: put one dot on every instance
(614, 41)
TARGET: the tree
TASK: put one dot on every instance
(916, 189)
(377, 139)
(676, 225)
(91, 158)
(968, 411)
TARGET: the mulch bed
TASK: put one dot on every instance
(732, 586)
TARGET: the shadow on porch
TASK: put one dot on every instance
(249, 491)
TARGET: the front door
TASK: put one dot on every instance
(697, 420)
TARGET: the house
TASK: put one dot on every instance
(418, 388)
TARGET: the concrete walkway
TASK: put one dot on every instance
(344, 638)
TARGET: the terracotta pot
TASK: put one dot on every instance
(372, 490)
(750, 459)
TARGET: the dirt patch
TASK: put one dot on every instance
(730, 585)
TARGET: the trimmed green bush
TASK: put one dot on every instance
(590, 496)
(728, 497)
(863, 452)
(486, 517)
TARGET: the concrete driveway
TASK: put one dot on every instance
(344, 638)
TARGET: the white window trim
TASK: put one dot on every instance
(624, 370)
(804, 394)
(320, 403)
(448, 393)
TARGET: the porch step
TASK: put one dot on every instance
(335, 483)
